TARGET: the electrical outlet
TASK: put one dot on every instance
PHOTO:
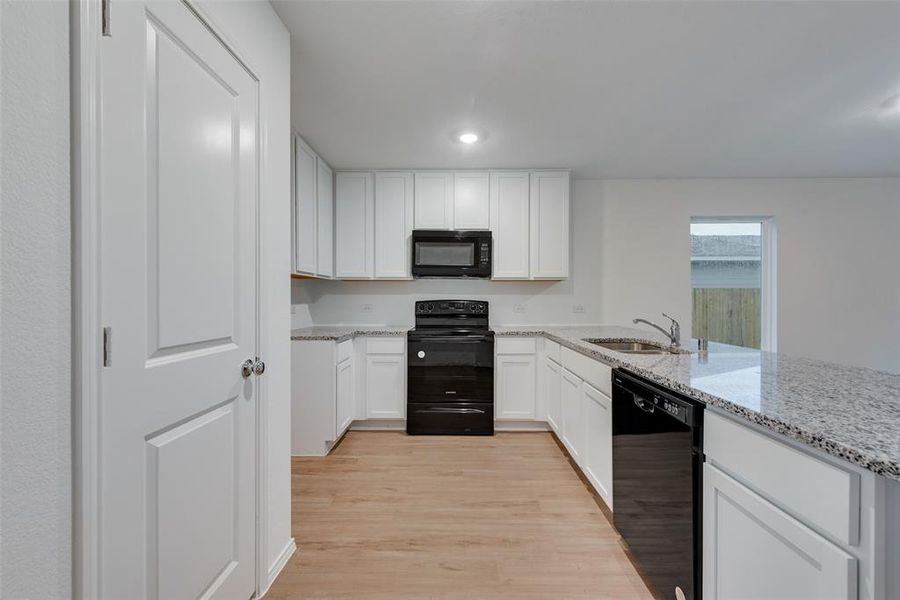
(366, 308)
(578, 309)
(519, 308)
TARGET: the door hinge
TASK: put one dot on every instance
(104, 18)
(107, 346)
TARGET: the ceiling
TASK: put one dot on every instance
(610, 89)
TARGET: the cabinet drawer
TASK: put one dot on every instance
(344, 350)
(552, 349)
(515, 345)
(818, 493)
(385, 345)
(593, 371)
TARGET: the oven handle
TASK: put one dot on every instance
(448, 410)
(469, 339)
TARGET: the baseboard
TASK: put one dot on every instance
(278, 565)
(521, 426)
(379, 425)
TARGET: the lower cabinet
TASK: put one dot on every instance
(322, 394)
(516, 376)
(597, 462)
(752, 549)
(572, 422)
(552, 383)
(385, 378)
(345, 397)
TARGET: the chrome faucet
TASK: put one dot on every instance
(674, 333)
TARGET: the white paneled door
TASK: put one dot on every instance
(178, 194)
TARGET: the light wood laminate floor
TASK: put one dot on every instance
(390, 516)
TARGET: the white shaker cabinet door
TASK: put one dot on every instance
(572, 423)
(325, 219)
(752, 549)
(386, 386)
(305, 203)
(393, 224)
(344, 396)
(434, 200)
(509, 193)
(354, 200)
(597, 411)
(516, 375)
(471, 200)
(549, 225)
(552, 383)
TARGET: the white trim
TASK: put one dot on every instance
(521, 426)
(768, 277)
(86, 359)
(275, 570)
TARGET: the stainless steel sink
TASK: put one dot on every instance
(634, 347)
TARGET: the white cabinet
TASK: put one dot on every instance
(305, 200)
(434, 200)
(322, 394)
(393, 224)
(552, 383)
(471, 200)
(385, 377)
(516, 376)
(572, 423)
(354, 225)
(597, 460)
(509, 206)
(751, 549)
(345, 395)
(549, 225)
(324, 219)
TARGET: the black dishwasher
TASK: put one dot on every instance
(657, 482)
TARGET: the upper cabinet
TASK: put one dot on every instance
(358, 224)
(549, 224)
(313, 213)
(509, 224)
(393, 225)
(325, 219)
(434, 200)
(305, 200)
(471, 200)
(354, 200)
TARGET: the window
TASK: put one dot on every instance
(732, 281)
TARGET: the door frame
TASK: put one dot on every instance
(87, 360)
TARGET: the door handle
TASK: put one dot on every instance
(259, 367)
(247, 368)
(644, 405)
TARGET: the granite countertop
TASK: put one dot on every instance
(849, 412)
(339, 333)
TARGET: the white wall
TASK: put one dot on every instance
(35, 316)
(837, 261)
(263, 42)
(542, 302)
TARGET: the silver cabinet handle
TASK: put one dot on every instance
(247, 368)
(260, 367)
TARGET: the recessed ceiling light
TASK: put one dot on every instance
(468, 137)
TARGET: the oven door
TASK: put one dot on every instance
(457, 368)
(451, 254)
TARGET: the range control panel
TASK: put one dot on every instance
(451, 307)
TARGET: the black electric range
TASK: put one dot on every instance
(450, 369)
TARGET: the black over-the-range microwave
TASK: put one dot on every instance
(451, 253)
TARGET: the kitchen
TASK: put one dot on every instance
(380, 299)
(459, 292)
